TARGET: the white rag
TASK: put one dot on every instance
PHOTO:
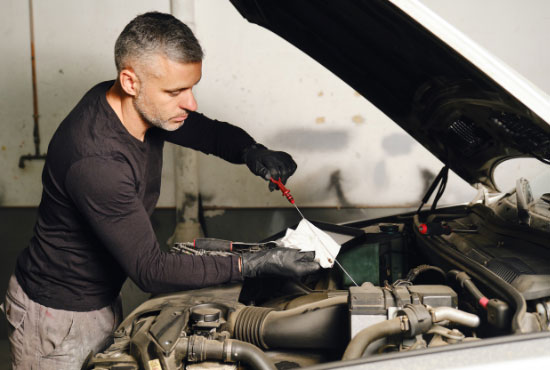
(308, 238)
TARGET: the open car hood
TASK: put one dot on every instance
(465, 106)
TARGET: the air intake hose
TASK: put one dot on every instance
(322, 324)
(197, 348)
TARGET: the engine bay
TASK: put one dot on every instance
(409, 282)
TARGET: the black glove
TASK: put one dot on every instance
(280, 261)
(268, 163)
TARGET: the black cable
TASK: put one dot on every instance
(442, 174)
(415, 272)
(466, 282)
(442, 187)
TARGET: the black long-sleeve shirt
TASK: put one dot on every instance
(100, 186)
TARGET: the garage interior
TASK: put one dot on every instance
(353, 162)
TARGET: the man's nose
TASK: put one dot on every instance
(188, 101)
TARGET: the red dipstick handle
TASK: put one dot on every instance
(286, 192)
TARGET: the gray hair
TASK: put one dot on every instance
(156, 33)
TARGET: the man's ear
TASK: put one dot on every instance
(129, 82)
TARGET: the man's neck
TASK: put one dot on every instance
(124, 108)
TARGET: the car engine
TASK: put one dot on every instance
(434, 278)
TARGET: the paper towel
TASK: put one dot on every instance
(307, 238)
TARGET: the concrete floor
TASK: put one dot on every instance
(245, 225)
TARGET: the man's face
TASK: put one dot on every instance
(165, 93)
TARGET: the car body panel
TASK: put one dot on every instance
(512, 352)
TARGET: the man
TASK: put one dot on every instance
(101, 182)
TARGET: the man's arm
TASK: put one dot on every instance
(211, 137)
(104, 191)
(232, 144)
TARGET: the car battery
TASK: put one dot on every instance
(369, 304)
(381, 256)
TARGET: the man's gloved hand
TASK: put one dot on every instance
(280, 261)
(268, 163)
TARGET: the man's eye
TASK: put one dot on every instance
(177, 92)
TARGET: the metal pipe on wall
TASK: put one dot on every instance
(36, 131)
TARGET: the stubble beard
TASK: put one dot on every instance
(152, 116)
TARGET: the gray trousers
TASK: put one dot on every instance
(45, 338)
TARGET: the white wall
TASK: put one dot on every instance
(74, 43)
(255, 80)
(15, 105)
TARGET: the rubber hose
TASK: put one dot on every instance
(304, 331)
(299, 327)
(361, 341)
(466, 281)
(250, 354)
(294, 328)
(485, 276)
(418, 270)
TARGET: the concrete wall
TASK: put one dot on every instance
(74, 43)
(15, 105)
(347, 151)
